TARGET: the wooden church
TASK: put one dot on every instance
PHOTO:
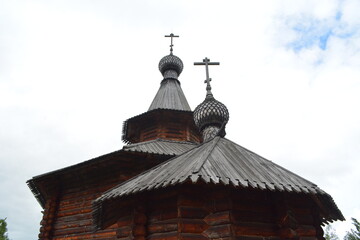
(178, 177)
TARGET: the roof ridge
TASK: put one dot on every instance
(158, 140)
(200, 163)
(139, 143)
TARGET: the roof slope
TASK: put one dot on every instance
(217, 161)
(170, 96)
(160, 146)
(220, 161)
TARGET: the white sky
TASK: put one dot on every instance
(72, 71)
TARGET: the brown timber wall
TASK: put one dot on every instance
(222, 214)
(68, 214)
(165, 124)
(186, 213)
(73, 219)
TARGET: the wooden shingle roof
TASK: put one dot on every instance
(221, 161)
(160, 146)
(170, 96)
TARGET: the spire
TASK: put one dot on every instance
(170, 94)
(211, 115)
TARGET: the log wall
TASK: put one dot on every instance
(165, 124)
(186, 213)
(68, 212)
(73, 219)
(223, 214)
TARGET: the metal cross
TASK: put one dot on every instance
(207, 62)
(171, 45)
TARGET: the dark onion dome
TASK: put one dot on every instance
(211, 113)
(171, 66)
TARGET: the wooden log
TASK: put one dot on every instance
(192, 226)
(224, 238)
(125, 238)
(124, 231)
(125, 221)
(63, 225)
(77, 217)
(218, 218)
(218, 231)
(76, 204)
(131, 231)
(162, 227)
(75, 211)
(162, 214)
(255, 229)
(164, 236)
(139, 230)
(191, 212)
(189, 236)
(99, 235)
(47, 227)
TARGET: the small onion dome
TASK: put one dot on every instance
(211, 113)
(171, 66)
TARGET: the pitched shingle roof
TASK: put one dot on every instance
(170, 96)
(220, 161)
(160, 146)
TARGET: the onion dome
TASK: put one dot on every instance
(171, 66)
(211, 117)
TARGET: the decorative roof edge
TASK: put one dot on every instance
(331, 212)
(39, 196)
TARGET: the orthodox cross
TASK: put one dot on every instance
(207, 62)
(171, 45)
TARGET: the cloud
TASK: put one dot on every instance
(71, 72)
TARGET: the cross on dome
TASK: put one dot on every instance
(171, 45)
(211, 115)
(207, 62)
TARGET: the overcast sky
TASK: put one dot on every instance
(72, 71)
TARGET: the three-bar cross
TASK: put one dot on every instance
(171, 45)
(207, 62)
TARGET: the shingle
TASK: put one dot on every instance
(170, 96)
(219, 161)
(160, 146)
